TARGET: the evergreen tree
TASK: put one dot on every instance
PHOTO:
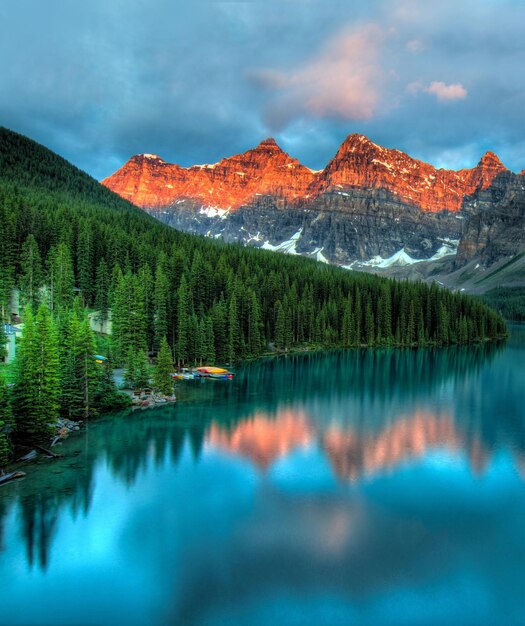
(71, 395)
(102, 289)
(161, 299)
(137, 371)
(31, 276)
(219, 320)
(162, 379)
(130, 370)
(88, 369)
(36, 390)
(255, 327)
(61, 278)
(183, 316)
(106, 395)
(280, 328)
(209, 353)
(143, 372)
(234, 339)
(85, 262)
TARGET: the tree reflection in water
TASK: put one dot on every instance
(368, 410)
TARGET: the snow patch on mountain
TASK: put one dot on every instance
(288, 246)
(211, 211)
(402, 258)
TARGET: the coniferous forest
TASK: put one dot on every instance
(70, 245)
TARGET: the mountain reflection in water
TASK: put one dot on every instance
(262, 471)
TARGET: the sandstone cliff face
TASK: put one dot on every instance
(149, 182)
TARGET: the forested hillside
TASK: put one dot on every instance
(212, 301)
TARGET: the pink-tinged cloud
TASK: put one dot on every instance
(343, 82)
(446, 93)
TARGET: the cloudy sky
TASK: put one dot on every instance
(197, 80)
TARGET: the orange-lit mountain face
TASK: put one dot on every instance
(150, 182)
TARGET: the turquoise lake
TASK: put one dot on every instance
(354, 487)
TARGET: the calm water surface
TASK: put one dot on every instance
(364, 487)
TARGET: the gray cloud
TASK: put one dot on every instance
(195, 81)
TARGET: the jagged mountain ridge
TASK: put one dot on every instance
(371, 208)
(150, 182)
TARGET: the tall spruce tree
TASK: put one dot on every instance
(61, 278)
(162, 379)
(102, 289)
(161, 301)
(31, 277)
(106, 395)
(37, 386)
(88, 372)
(183, 317)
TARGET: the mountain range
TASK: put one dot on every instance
(371, 208)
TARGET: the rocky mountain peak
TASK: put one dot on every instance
(269, 143)
(357, 143)
(491, 160)
(268, 171)
(150, 159)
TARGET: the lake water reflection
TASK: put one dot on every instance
(363, 487)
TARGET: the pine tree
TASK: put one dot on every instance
(369, 324)
(36, 390)
(130, 370)
(280, 328)
(442, 323)
(210, 341)
(161, 299)
(234, 333)
(162, 379)
(120, 317)
(137, 371)
(255, 326)
(106, 395)
(219, 317)
(143, 372)
(145, 298)
(102, 290)
(85, 255)
(31, 278)
(61, 278)
(183, 317)
(71, 396)
(88, 369)
(410, 336)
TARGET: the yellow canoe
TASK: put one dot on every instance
(212, 370)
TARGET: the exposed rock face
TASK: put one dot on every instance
(371, 208)
(149, 182)
(361, 163)
(497, 227)
(342, 228)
